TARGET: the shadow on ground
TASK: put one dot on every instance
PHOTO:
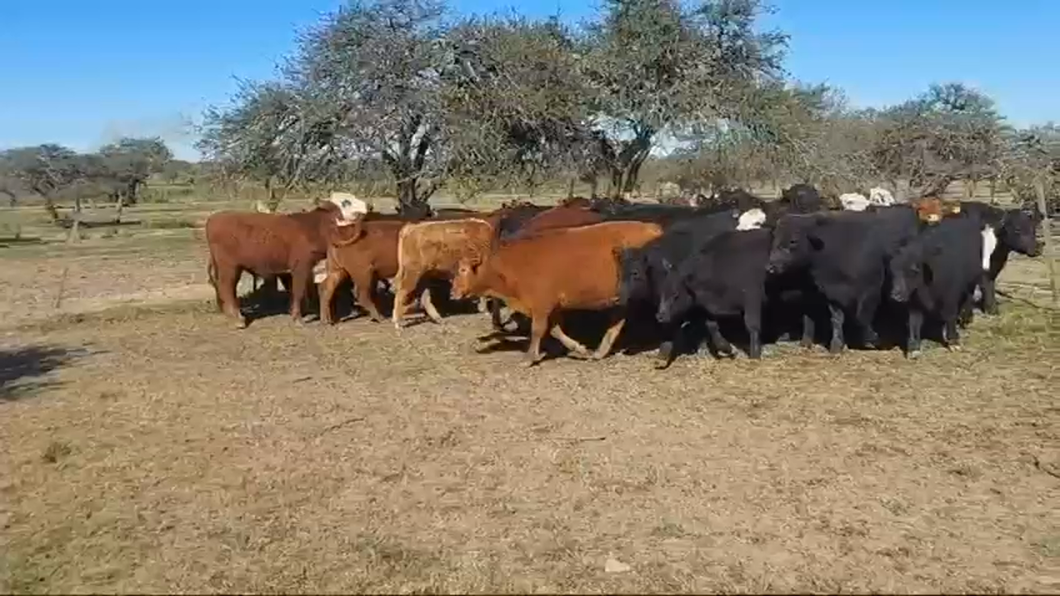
(23, 369)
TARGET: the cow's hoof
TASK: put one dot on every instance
(954, 347)
(913, 355)
(807, 344)
(579, 355)
(531, 362)
(241, 323)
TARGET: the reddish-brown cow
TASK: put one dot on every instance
(562, 216)
(364, 252)
(543, 274)
(267, 245)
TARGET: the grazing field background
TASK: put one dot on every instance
(149, 446)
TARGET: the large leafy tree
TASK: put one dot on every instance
(371, 75)
(657, 68)
(948, 133)
(515, 101)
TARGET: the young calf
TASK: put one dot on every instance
(434, 248)
(364, 253)
(935, 273)
(726, 276)
(545, 273)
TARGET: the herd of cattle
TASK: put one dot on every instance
(785, 267)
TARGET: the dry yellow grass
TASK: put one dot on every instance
(156, 448)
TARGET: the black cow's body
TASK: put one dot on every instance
(936, 273)
(725, 277)
(664, 215)
(1016, 231)
(643, 270)
(842, 257)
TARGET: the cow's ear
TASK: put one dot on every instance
(667, 265)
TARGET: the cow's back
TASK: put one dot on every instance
(576, 267)
(440, 245)
(260, 242)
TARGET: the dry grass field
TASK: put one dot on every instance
(151, 447)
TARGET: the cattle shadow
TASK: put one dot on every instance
(23, 369)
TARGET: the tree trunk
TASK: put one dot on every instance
(570, 188)
(993, 191)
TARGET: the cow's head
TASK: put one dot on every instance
(675, 296)
(906, 270)
(464, 281)
(350, 208)
(1019, 231)
(794, 241)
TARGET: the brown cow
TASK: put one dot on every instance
(434, 248)
(561, 216)
(571, 268)
(931, 210)
(267, 245)
(364, 252)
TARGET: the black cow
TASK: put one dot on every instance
(842, 257)
(643, 270)
(801, 198)
(664, 215)
(1014, 230)
(936, 272)
(725, 277)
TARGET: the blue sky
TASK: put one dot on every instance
(84, 72)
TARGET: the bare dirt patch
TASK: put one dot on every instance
(185, 455)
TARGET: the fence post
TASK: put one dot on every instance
(1047, 236)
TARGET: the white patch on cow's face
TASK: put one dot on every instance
(853, 201)
(989, 244)
(881, 196)
(349, 207)
(752, 219)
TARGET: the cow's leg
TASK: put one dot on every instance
(404, 283)
(575, 347)
(227, 280)
(967, 312)
(428, 306)
(301, 277)
(495, 307)
(809, 330)
(838, 318)
(988, 287)
(539, 327)
(609, 337)
(721, 345)
(752, 320)
(916, 323)
(865, 313)
(333, 280)
(364, 287)
(951, 338)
